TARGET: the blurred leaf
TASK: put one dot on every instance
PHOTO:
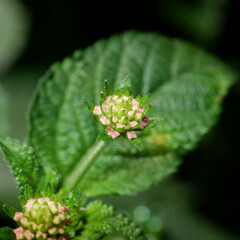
(4, 113)
(23, 162)
(202, 20)
(7, 233)
(102, 220)
(14, 23)
(9, 210)
(186, 84)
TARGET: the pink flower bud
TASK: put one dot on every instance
(28, 235)
(130, 113)
(135, 107)
(17, 216)
(24, 222)
(133, 124)
(125, 98)
(104, 121)
(29, 203)
(65, 208)
(56, 220)
(134, 102)
(120, 125)
(52, 207)
(113, 134)
(108, 99)
(40, 200)
(68, 217)
(114, 109)
(141, 110)
(105, 107)
(52, 231)
(19, 233)
(139, 115)
(97, 110)
(115, 98)
(114, 119)
(61, 230)
(144, 122)
(131, 135)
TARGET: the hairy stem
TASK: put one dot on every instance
(83, 165)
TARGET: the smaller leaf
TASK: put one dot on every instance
(89, 105)
(28, 191)
(107, 88)
(23, 162)
(102, 136)
(147, 109)
(126, 86)
(48, 190)
(103, 97)
(152, 123)
(136, 142)
(145, 98)
(23, 200)
(7, 233)
(102, 219)
(71, 198)
(9, 210)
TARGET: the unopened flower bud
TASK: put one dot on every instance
(42, 219)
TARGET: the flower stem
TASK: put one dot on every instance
(83, 165)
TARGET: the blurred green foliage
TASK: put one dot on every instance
(14, 25)
(168, 212)
(200, 20)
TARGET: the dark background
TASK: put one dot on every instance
(211, 172)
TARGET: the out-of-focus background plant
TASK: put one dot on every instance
(202, 200)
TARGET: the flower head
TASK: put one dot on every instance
(120, 113)
(42, 219)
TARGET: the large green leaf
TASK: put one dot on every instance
(7, 233)
(23, 163)
(102, 220)
(187, 86)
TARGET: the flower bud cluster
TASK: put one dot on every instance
(42, 219)
(121, 115)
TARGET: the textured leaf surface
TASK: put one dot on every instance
(7, 233)
(102, 220)
(186, 86)
(22, 161)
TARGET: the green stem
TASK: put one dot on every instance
(83, 165)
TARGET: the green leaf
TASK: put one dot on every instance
(126, 86)
(48, 190)
(107, 89)
(10, 211)
(23, 162)
(102, 136)
(187, 86)
(136, 142)
(28, 191)
(152, 123)
(145, 99)
(71, 198)
(102, 220)
(7, 233)
(89, 105)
